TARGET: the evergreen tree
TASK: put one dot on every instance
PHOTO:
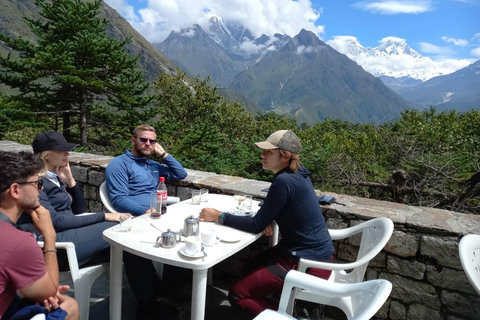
(74, 68)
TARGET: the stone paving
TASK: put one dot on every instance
(218, 306)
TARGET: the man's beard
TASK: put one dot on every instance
(29, 203)
(140, 152)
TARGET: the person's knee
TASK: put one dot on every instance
(70, 305)
(236, 295)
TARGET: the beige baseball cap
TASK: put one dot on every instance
(282, 139)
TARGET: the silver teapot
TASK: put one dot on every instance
(191, 227)
(168, 239)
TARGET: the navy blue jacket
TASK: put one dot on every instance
(292, 203)
(64, 204)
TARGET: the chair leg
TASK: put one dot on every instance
(159, 268)
(82, 295)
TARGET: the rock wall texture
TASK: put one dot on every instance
(421, 259)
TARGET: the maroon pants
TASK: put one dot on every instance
(265, 276)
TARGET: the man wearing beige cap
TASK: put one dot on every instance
(292, 203)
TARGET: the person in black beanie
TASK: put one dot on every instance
(62, 196)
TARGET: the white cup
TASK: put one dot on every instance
(193, 245)
(196, 196)
(247, 203)
(204, 195)
(209, 237)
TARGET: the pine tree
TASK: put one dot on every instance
(74, 68)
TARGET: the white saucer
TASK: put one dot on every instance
(229, 237)
(196, 255)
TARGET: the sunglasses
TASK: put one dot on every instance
(144, 140)
(38, 182)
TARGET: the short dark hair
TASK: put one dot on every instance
(17, 167)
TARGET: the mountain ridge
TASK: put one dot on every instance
(152, 61)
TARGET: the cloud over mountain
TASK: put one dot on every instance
(161, 17)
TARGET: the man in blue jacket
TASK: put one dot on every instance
(132, 177)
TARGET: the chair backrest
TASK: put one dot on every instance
(105, 197)
(82, 278)
(359, 301)
(375, 235)
(469, 250)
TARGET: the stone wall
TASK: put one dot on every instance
(421, 259)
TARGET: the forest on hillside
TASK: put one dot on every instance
(95, 94)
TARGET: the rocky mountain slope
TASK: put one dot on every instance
(300, 76)
(459, 90)
(151, 61)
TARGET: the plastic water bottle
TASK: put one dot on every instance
(162, 194)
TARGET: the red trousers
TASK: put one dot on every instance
(265, 276)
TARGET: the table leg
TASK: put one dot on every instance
(116, 257)
(199, 293)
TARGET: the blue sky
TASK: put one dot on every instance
(436, 29)
(446, 31)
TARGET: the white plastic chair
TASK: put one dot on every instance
(105, 197)
(375, 235)
(82, 278)
(469, 250)
(359, 301)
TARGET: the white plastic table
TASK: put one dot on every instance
(140, 240)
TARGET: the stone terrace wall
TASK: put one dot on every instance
(421, 259)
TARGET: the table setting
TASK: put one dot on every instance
(179, 238)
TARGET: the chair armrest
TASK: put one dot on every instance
(71, 254)
(60, 245)
(85, 214)
(304, 264)
(302, 281)
(172, 200)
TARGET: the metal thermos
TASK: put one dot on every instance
(191, 227)
(168, 239)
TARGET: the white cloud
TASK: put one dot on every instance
(429, 48)
(476, 36)
(341, 43)
(475, 52)
(393, 39)
(457, 42)
(302, 49)
(394, 7)
(189, 33)
(249, 47)
(160, 17)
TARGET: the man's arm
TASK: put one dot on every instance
(171, 168)
(66, 219)
(46, 286)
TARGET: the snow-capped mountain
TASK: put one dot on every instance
(236, 39)
(392, 51)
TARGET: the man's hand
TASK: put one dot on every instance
(209, 214)
(158, 149)
(65, 302)
(65, 174)
(54, 302)
(43, 222)
(268, 230)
